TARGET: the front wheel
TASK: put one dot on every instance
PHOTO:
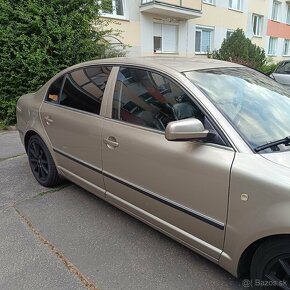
(270, 268)
(41, 163)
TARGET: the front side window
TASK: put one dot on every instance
(276, 10)
(256, 106)
(272, 46)
(235, 4)
(283, 68)
(203, 40)
(82, 89)
(150, 100)
(257, 25)
(113, 7)
(165, 38)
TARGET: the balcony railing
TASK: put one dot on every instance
(184, 9)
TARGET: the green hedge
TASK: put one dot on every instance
(239, 49)
(38, 38)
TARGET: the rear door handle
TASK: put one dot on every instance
(48, 120)
(111, 142)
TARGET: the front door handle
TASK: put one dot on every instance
(48, 120)
(111, 142)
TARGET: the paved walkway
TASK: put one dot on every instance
(69, 239)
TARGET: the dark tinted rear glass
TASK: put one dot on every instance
(84, 88)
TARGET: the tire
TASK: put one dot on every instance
(270, 267)
(41, 163)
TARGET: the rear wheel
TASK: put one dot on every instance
(270, 268)
(41, 163)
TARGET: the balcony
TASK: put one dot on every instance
(179, 9)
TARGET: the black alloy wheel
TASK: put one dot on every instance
(277, 272)
(270, 268)
(41, 163)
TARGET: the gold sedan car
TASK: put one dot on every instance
(198, 149)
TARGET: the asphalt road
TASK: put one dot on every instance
(69, 239)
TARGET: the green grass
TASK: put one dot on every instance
(52, 190)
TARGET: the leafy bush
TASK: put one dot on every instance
(239, 49)
(38, 38)
(268, 68)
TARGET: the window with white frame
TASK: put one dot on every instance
(113, 7)
(165, 38)
(203, 40)
(236, 4)
(209, 1)
(286, 47)
(288, 15)
(229, 33)
(257, 24)
(276, 10)
(272, 50)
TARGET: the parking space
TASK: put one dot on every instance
(69, 239)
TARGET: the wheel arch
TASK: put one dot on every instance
(27, 136)
(33, 132)
(245, 260)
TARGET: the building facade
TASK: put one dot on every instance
(196, 27)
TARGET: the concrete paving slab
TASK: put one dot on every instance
(25, 263)
(17, 182)
(10, 144)
(116, 251)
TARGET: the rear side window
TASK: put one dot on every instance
(83, 89)
(54, 90)
(150, 100)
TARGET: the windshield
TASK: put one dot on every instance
(256, 106)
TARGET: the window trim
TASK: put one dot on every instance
(114, 14)
(209, 2)
(278, 18)
(201, 28)
(284, 46)
(177, 38)
(260, 22)
(239, 9)
(288, 15)
(229, 31)
(228, 144)
(276, 44)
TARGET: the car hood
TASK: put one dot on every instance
(282, 158)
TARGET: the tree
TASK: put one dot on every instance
(38, 38)
(239, 49)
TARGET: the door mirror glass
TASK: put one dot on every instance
(188, 129)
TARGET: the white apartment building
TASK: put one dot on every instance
(196, 27)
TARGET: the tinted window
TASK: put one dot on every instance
(54, 90)
(151, 100)
(84, 88)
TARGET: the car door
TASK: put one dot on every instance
(179, 187)
(71, 118)
(282, 73)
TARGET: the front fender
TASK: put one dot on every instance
(266, 212)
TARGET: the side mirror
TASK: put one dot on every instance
(272, 76)
(187, 129)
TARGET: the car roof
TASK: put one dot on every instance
(180, 64)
